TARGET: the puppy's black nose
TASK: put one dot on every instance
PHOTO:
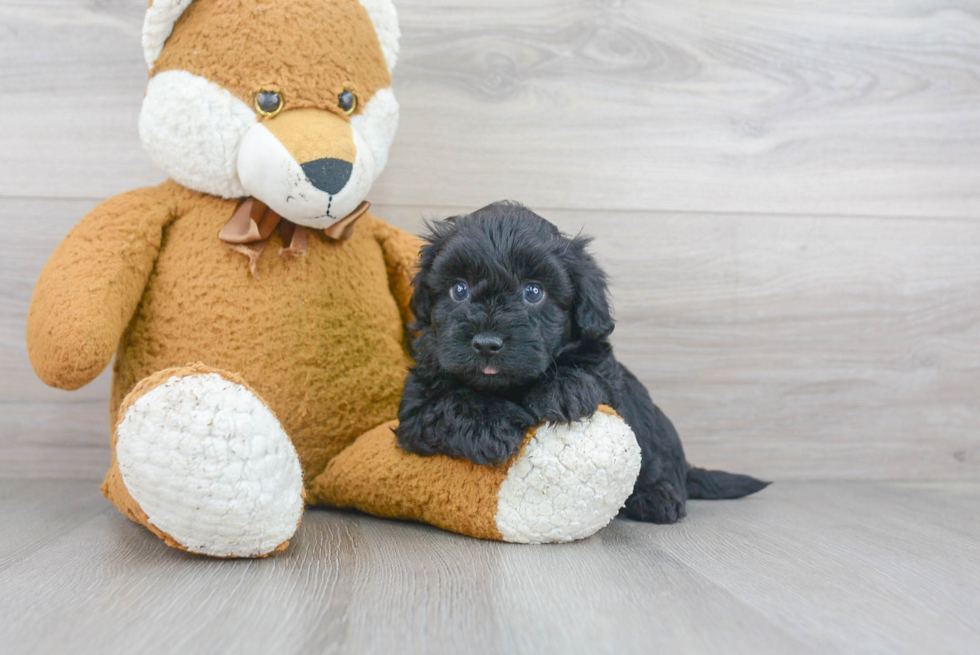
(330, 175)
(487, 344)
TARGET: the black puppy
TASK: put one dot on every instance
(513, 320)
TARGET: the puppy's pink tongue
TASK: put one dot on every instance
(490, 370)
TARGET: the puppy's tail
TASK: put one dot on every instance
(718, 485)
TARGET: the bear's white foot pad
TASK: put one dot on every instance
(570, 481)
(211, 467)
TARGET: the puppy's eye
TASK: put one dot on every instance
(268, 103)
(459, 292)
(347, 102)
(533, 294)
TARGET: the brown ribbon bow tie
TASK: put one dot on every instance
(252, 223)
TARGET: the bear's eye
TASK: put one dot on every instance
(268, 103)
(533, 294)
(459, 292)
(347, 102)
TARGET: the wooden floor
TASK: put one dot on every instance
(806, 567)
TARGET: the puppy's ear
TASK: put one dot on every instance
(422, 297)
(590, 310)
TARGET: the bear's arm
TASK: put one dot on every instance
(401, 253)
(91, 285)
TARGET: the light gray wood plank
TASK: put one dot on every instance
(802, 347)
(120, 589)
(609, 594)
(849, 567)
(801, 567)
(77, 73)
(55, 440)
(34, 512)
(356, 584)
(812, 108)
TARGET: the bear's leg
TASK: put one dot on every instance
(566, 483)
(201, 461)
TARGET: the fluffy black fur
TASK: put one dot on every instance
(492, 362)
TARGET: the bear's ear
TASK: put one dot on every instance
(422, 296)
(385, 20)
(591, 315)
(160, 19)
(162, 15)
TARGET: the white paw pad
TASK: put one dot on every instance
(571, 480)
(211, 467)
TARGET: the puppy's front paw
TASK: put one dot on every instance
(485, 430)
(491, 439)
(571, 395)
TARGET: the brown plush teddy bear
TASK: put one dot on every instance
(257, 312)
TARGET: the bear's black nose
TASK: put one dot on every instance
(330, 175)
(487, 344)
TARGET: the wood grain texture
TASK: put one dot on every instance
(810, 107)
(800, 568)
(814, 107)
(33, 513)
(78, 73)
(810, 555)
(55, 440)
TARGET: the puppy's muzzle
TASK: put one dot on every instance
(487, 345)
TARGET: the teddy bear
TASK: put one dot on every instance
(258, 313)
